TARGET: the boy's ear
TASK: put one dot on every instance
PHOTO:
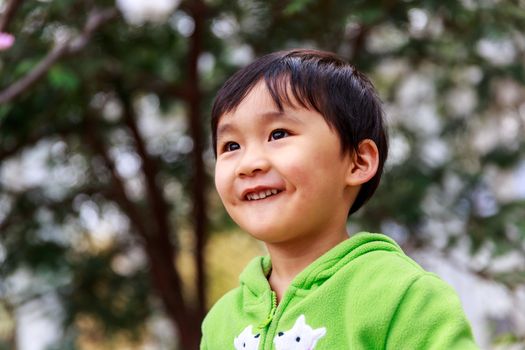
(364, 163)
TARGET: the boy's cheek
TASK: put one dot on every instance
(300, 175)
(220, 183)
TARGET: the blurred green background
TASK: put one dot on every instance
(111, 233)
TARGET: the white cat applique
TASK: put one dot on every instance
(247, 340)
(300, 337)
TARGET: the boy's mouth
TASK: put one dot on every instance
(257, 195)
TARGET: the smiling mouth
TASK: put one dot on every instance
(253, 196)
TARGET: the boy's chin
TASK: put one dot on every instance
(264, 236)
(269, 234)
(264, 233)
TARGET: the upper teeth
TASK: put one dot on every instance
(261, 194)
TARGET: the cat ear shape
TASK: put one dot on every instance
(301, 321)
(247, 340)
(300, 337)
(319, 332)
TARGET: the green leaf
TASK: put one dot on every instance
(25, 66)
(4, 111)
(296, 6)
(63, 78)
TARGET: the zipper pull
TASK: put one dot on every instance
(272, 312)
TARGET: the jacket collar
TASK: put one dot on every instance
(254, 276)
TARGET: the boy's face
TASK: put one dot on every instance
(281, 176)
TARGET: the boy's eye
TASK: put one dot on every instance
(278, 134)
(231, 146)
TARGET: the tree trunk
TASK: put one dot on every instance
(199, 176)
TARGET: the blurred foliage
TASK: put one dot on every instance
(451, 74)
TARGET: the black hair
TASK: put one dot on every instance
(320, 81)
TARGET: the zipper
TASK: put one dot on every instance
(272, 312)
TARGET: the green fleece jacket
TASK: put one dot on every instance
(365, 293)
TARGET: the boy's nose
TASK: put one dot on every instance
(252, 163)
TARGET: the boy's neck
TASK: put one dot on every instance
(289, 259)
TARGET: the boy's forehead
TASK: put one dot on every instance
(259, 105)
(258, 97)
(258, 100)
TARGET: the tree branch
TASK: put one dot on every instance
(9, 13)
(149, 167)
(157, 246)
(33, 76)
(198, 12)
(120, 196)
(95, 19)
(359, 42)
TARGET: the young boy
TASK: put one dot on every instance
(300, 144)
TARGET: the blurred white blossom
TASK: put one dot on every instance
(182, 23)
(138, 12)
(508, 92)
(418, 19)
(416, 105)
(385, 38)
(507, 184)
(461, 101)
(435, 152)
(498, 52)
(399, 149)
(241, 55)
(224, 27)
(206, 63)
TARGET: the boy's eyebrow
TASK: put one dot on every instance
(224, 128)
(272, 115)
